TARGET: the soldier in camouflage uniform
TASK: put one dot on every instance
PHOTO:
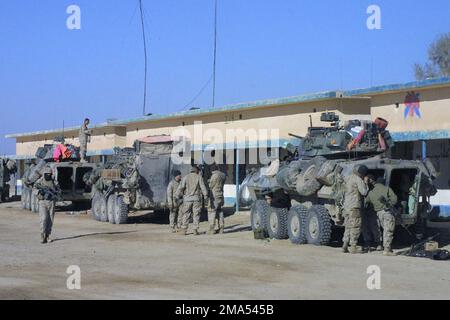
(47, 191)
(84, 137)
(383, 199)
(174, 202)
(7, 168)
(370, 225)
(355, 188)
(215, 211)
(191, 189)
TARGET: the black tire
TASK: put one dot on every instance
(277, 223)
(296, 224)
(110, 208)
(318, 226)
(258, 215)
(120, 211)
(97, 206)
(103, 210)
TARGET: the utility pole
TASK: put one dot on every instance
(215, 55)
(145, 58)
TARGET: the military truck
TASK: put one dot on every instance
(134, 179)
(70, 174)
(302, 197)
(8, 167)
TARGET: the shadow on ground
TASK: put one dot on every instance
(92, 235)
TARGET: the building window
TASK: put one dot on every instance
(240, 117)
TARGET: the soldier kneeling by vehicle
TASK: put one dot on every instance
(48, 193)
(383, 199)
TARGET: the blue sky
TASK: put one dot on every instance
(266, 49)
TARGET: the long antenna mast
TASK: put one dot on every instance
(145, 58)
(215, 55)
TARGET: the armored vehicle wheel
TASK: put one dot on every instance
(111, 207)
(296, 224)
(259, 212)
(99, 208)
(95, 208)
(120, 211)
(318, 226)
(277, 223)
(103, 210)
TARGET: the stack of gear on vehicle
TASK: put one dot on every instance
(59, 151)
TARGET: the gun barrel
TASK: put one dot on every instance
(295, 136)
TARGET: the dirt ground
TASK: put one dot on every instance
(142, 260)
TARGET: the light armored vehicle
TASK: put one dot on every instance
(69, 173)
(302, 197)
(134, 179)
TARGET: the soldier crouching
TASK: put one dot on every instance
(383, 198)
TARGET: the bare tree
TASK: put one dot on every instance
(438, 64)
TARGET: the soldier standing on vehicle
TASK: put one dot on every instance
(47, 195)
(355, 188)
(85, 138)
(370, 224)
(383, 199)
(174, 202)
(191, 189)
(216, 183)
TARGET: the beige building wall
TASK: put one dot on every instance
(101, 139)
(434, 109)
(285, 119)
(293, 118)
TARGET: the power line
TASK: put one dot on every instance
(129, 23)
(215, 55)
(199, 93)
(145, 57)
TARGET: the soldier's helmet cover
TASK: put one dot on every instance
(362, 170)
(11, 165)
(176, 173)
